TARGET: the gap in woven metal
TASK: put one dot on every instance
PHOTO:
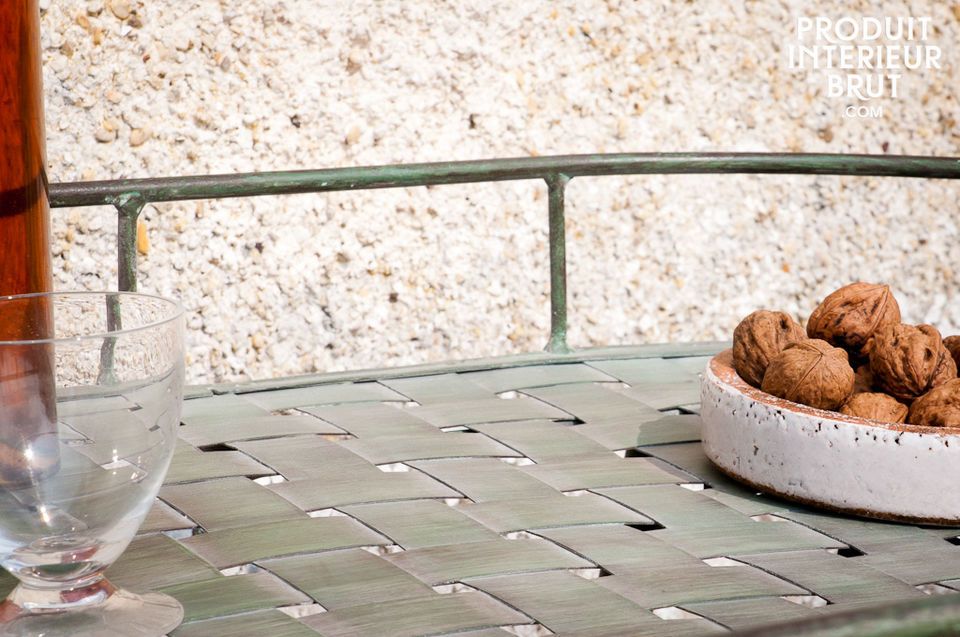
(722, 562)
(333, 437)
(847, 551)
(935, 589)
(528, 630)
(327, 513)
(302, 610)
(590, 573)
(809, 601)
(453, 587)
(268, 480)
(216, 446)
(382, 549)
(521, 535)
(182, 534)
(76, 442)
(117, 463)
(175, 534)
(519, 462)
(674, 612)
(242, 569)
(644, 527)
(394, 467)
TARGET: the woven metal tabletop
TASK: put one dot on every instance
(526, 495)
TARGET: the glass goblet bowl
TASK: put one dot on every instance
(90, 390)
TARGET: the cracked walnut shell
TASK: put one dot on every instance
(863, 380)
(875, 406)
(908, 361)
(939, 407)
(849, 316)
(759, 338)
(811, 372)
(952, 343)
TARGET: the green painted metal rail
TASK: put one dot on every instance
(129, 196)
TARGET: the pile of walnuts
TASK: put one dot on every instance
(855, 357)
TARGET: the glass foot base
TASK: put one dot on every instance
(109, 612)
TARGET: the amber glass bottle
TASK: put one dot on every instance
(27, 398)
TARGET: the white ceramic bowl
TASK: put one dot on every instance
(843, 463)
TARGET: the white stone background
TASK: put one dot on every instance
(287, 285)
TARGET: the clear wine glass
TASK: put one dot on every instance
(90, 390)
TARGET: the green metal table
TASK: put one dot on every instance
(552, 493)
(535, 495)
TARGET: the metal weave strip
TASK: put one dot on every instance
(568, 498)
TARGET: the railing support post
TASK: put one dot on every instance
(556, 185)
(128, 207)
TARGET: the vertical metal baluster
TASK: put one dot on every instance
(128, 208)
(107, 373)
(556, 185)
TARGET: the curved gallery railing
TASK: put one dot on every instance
(129, 196)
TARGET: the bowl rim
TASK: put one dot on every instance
(175, 311)
(721, 366)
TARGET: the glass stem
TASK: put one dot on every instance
(25, 599)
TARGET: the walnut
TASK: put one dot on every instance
(811, 372)
(863, 382)
(849, 316)
(952, 343)
(907, 361)
(758, 338)
(939, 407)
(875, 406)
